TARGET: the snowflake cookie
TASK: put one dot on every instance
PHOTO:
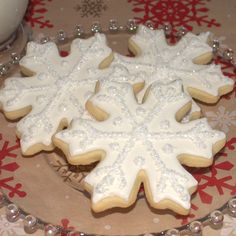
(183, 60)
(140, 143)
(55, 91)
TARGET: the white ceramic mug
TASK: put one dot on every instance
(11, 15)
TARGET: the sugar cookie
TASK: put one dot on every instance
(140, 143)
(56, 90)
(184, 60)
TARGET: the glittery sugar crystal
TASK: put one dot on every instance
(56, 91)
(151, 143)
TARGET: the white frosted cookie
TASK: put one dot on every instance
(140, 143)
(55, 91)
(184, 60)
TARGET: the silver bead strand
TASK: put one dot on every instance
(232, 207)
(61, 36)
(150, 25)
(30, 224)
(15, 58)
(182, 31)
(215, 46)
(96, 27)
(131, 26)
(45, 40)
(12, 212)
(167, 29)
(51, 230)
(172, 232)
(216, 219)
(195, 228)
(4, 68)
(78, 31)
(113, 26)
(228, 54)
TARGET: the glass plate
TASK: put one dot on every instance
(48, 188)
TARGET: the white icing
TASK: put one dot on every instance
(167, 63)
(59, 88)
(149, 141)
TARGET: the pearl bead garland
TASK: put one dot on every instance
(232, 207)
(50, 230)
(167, 29)
(228, 54)
(150, 25)
(182, 31)
(113, 27)
(79, 31)
(172, 232)
(132, 26)
(12, 212)
(216, 218)
(96, 27)
(32, 224)
(215, 45)
(195, 228)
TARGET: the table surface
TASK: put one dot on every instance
(46, 17)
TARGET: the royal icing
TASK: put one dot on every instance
(169, 62)
(139, 137)
(58, 89)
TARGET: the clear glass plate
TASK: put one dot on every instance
(54, 192)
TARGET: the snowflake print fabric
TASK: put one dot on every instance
(182, 13)
(56, 90)
(157, 60)
(222, 119)
(8, 164)
(92, 8)
(35, 15)
(140, 143)
(218, 177)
